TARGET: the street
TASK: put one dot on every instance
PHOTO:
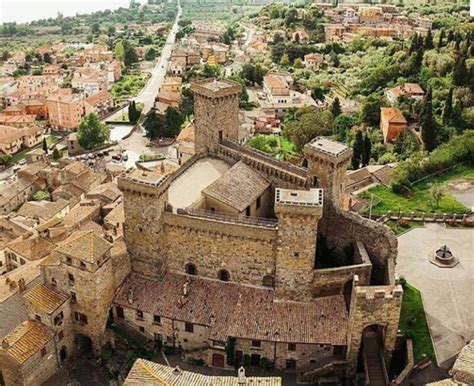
(149, 92)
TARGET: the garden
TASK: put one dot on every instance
(130, 85)
(414, 325)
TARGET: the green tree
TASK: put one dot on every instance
(291, 17)
(448, 107)
(370, 112)
(120, 51)
(57, 154)
(95, 29)
(211, 71)
(317, 93)
(428, 124)
(429, 41)
(92, 132)
(460, 73)
(441, 38)
(336, 107)
(45, 145)
(173, 122)
(342, 125)
(367, 150)
(47, 58)
(153, 125)
(285, 61)
(150, 54)
(298, 63)
(41, 195)
(133, 113)
(130, 55)
(308, 124)
(357, 150)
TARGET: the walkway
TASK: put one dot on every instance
(447, 292)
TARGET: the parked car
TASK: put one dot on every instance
(22, 162)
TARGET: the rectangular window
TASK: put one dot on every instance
(58, 319)
(38, 318)
(142, 329)
(73, 297)
(82, 265)
(188, 327)
(157, 319)
(80, 318)
(119, 312)
(157, 337)
(43, 351)
(259, 202)
(256, 343)
(68, 260)
(139, 314)
(60, 335)
(247, 211)
(71, 278)
(291, 346)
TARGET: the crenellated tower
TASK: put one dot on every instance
(327, 166)
(298, 213)
(216, 113)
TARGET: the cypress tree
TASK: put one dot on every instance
(367, 150)
(131, 112)
(460, 74)
(45, 145)
(429, 41)
(428, 125)
(336, 107)
(441, 38)
(448, 107)
(357, 150)
(450, 36)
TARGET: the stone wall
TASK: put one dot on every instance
(247, 252)
(374, 305)
(343, 228)
(333, 280)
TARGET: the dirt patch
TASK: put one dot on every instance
(463, 191)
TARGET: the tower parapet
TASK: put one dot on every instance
(298, 213)
(216, 113)
(327, 166)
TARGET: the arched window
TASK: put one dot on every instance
(224, 275)
(268, 281)
(191, 269)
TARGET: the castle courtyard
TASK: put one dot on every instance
(447, 292)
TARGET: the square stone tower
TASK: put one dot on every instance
(327, 166)
(298, 213)
(216, 112)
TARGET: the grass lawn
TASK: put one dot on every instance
(277, 146)
(420, 201)
(151, 157)
(399, 229)
(122, 117)
(414, 325)
(51, 140)
(129, 85)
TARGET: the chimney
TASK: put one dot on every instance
(5, 344)
(21, 285)
(130, 295)
(241, 379)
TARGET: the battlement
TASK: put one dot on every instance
(328, 149)
(312, 197)
(291, 175)
(141, 182)
(377, 292)
(216, 88)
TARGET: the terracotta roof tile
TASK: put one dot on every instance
(238, 187)
(26, 340)
(45, 298)
(87, 246)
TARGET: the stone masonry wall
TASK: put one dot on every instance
(375, 305)
(343, 228)
(247, 252)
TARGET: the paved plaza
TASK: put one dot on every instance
(448, 293)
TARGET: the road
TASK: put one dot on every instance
(149, 92)
(240, 57)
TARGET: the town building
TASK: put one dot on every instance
(392, 123)
(14, 139)
(406, 90)
(65, 111)
(313, 61)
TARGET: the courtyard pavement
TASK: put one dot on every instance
(447, 292)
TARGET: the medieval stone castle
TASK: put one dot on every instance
(234, 257)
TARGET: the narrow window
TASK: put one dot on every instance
(188, 327)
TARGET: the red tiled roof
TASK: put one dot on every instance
(231, 309)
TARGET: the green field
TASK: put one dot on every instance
(129, 85)
(420, 200)
(402, 228)
(414, 325)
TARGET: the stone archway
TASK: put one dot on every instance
(191, 269)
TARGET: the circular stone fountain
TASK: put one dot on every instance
(444, 258)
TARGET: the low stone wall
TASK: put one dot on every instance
(342, 228)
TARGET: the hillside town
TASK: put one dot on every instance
(238, 193)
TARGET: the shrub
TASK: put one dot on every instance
(246, 360)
